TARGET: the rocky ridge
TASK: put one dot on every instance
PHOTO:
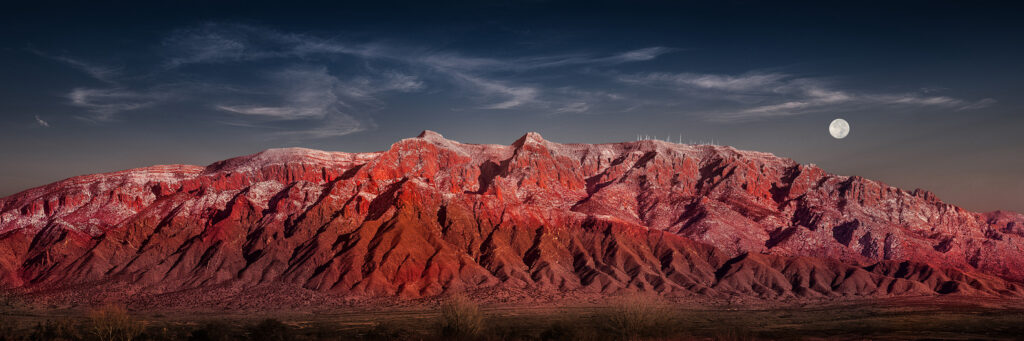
(431, 215)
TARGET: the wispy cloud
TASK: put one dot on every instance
(219, 43)
(215, 43)
(312, 94)
(759, 95)
(296, 78)
(983, 103)
(321, 87)
(332, 126)
(208, 44)
(305, 93)
(41, 122)
(105, 102)
(753, 81)
(510, 96)
(640, 55)
(102, 73)
(521, 64)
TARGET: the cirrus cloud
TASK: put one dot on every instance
(755, 95)
(258, 77)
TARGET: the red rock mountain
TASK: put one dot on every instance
(431, 215)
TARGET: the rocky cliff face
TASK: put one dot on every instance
(431, 215)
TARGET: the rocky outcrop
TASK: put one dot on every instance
(431, 215)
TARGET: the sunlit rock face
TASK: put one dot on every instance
(431, 215)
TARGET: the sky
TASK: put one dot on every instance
(932, 89)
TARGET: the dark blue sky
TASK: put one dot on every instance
(931, 89)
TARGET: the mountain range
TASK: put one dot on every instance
(431, 216)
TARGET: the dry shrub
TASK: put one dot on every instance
(56, 330)
(112, 323)
(387, 331)
(270, 330)
(212, 331)
(460, 318)
(637, 316)
(568, 330)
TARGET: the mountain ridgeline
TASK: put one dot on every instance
(430, 216)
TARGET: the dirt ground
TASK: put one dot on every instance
(897, 318)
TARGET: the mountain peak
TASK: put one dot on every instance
(429, 135)
(529, 138)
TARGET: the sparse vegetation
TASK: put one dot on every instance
(113, 323)
(460, 318)
(212, 331)
(568, 330)
(57, 330)
(626, 318)
(634, 316)
(270, 330)
(387, 332)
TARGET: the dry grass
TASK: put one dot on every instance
(270, 330)
(460, 318)
(212, 331)
(113, 323)
(636, 316)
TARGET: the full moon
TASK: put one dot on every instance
(839, 128)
